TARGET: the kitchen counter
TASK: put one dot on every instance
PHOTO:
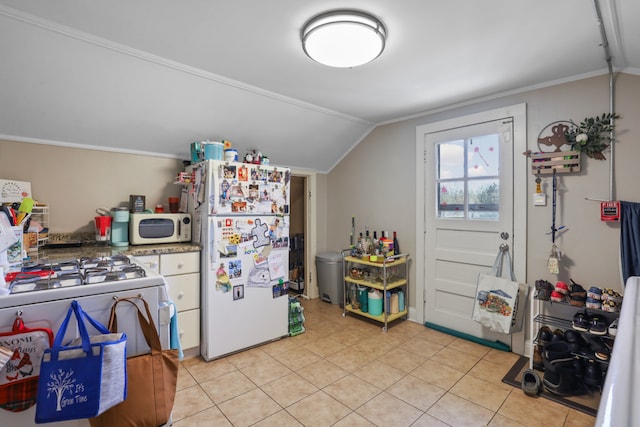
(94, 250)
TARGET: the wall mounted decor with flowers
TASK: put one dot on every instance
(593, 135)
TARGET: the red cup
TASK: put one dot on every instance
(174, 204)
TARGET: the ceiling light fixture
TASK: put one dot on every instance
(343, 38)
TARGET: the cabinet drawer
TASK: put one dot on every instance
(189, 328)
(180, 263)
(184, 291)
(150, 261)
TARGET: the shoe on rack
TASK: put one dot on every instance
(558, 335)
(574, 339)
(593, 374)
(557, 297)
(577, 295)
(598, 325)
(593, 303)
(613, 328)
(581, 321)
(538, 363)
(544, 336)
(543, 290)
(531, 382)
(594, 293)
(598, 348)
(562, 288)
(610, 306)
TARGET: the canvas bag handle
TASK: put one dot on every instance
(497, 264)
(148, 326)
(80, 315)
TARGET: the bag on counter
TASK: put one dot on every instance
(20, 355)
(151, 380)
(84, 378)
(499, 303)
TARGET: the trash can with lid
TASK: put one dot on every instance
(330, 277)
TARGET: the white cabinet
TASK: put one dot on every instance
(182, 272)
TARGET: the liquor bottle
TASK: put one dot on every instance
(396, 245)
(375, 243)
(368, 245)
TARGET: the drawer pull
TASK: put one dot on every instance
(180, 295)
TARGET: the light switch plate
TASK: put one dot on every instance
(539, 199)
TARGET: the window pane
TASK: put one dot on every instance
(450, 159)
(451, 199)
(484, 199)
(483, 155)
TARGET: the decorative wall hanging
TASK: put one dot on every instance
(593, 135)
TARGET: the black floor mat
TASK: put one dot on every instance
(587, 404)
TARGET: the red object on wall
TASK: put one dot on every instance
(610, 211)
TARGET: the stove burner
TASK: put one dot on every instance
(85, 271)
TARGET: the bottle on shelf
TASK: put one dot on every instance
(396, 245)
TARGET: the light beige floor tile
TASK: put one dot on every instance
(379, 374)
(403, 359)
(348, 336)
(374, 346)
(387, 410)
(309, 336)
(300, 357)
(533, 411)
(279, 419)
(205, 371)
(455, 359)
(436, 336)
(184, 378)
(502, 421)
(427, 420)
(579, 419)
(207, 418)
(416, 392)
(227, 387)
(318, 409)
(289, 389)
(423, 346)
(279, 347)
(491, 372)
(352, 391)
(354, 420)
(327, 328)
(249, 408)
(324, 346)
(499, 357)
(247, 357)
(350, 359)
(189, 401)
(322, 373)
(481, 392)
(437, 374)
(457, 411)
(469, 347)
(265, 371)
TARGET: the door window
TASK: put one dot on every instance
(467, 181)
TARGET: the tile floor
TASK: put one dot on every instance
(344, 371)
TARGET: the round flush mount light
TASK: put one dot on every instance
(343, 38)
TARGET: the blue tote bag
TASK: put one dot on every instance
(85, 377)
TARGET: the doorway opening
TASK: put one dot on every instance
(301, 234)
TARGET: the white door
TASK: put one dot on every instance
(468, 210)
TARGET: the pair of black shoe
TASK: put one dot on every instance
(563, 372)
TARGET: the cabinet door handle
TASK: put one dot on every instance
(180, 295)
(180, 265)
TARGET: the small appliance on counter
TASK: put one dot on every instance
(154, 228)
(120, 227)
(103, 226)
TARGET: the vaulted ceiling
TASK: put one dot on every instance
(151, 76)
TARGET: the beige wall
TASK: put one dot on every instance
(75, 182)
(379, 175)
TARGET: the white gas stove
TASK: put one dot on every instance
(42, 291)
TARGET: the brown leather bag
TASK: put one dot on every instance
(151, 380)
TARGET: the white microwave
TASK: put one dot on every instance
(151, 228)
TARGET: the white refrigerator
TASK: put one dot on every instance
(241, 219)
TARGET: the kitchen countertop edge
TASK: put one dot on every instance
(104, 251)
